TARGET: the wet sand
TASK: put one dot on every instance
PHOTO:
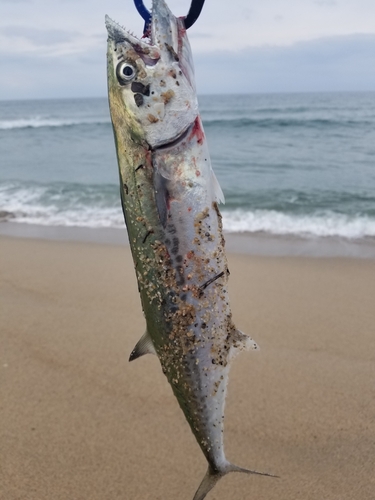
(78, 422)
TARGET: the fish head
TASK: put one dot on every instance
(153, 79)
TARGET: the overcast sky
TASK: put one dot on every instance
(56, 48)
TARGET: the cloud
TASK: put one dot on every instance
(71, 69)
(28, 78)
(343, 63)
(37, 36)
(200, 35)
(326, 3)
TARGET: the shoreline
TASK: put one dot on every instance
(260, 244)
(79, 421)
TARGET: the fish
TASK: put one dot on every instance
(170, 199)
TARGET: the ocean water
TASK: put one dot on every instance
(289, 164)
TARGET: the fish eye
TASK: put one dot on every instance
(125, 72)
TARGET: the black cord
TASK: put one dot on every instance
(194, 12)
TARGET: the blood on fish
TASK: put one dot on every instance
(197, 131)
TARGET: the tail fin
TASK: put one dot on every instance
(210, 479)
(213, 476)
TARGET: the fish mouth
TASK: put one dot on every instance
(119, 34)
(162, 35)
(162, 32)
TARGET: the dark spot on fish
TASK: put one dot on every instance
(179, 258)
(213, 361)
(126, 188)
(183, 297)
(138, 99)
(140, 166)
(161, 196)
(180, 271)
(172, 52)
(177, 83)
(176, 244)
(203, 325)
(140, 88)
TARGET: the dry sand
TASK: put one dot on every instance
(78, 422)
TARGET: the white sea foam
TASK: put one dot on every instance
(278, 223)
(99, 206)
(37, 204)
(39, 121)
(93, 218)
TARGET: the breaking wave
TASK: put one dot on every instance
(327, 224)
(70, 204)
(39, 121)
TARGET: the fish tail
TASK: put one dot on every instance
(213, 476)
(210, 479)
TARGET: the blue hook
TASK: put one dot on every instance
(193, 14)
(145, 14)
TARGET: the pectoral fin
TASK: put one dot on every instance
(143, 346)
(218, 192)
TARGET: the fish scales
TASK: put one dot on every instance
(170, 201)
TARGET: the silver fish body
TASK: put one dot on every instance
(170, 200)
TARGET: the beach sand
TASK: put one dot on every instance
(78, 422)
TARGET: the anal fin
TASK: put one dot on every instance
(142, 347)
(242, 341)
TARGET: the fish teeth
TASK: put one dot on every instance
(116, 31)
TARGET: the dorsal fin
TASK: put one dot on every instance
(143, 346)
